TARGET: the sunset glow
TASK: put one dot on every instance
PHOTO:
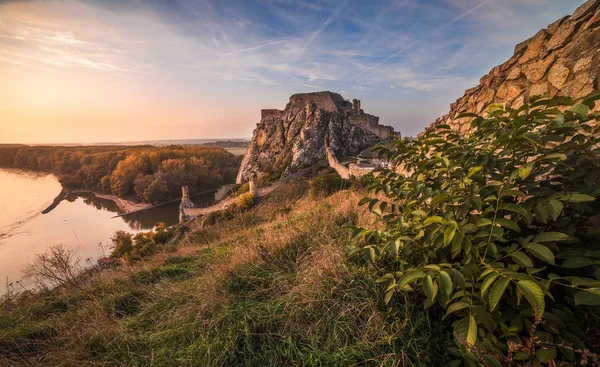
(98, 71)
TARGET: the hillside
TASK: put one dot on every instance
(478, 246)
(270, 286)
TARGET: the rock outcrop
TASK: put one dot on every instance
(289, 140)
(563, 59)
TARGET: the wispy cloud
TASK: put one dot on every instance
(419, 40)
(405, 51)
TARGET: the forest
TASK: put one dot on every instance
(141, 173)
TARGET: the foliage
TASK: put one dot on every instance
(151, 174)
(130, 247)
(245, 201)
(492, 227)
(327, 184)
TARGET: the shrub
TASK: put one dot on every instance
(143, 244)
(327, 184)
(492, 227)
(245, 201)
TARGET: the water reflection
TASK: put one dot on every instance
(146, 219)
(81, 222)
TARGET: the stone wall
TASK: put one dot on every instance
(327, 101)
(358, 170)
(335, 164)
(270, 113)
(223, 191)
(563, 59)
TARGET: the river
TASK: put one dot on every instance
(83, 222)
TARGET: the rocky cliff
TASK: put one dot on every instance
(288, 140)
(563, 59)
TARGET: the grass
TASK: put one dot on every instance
(269, 287)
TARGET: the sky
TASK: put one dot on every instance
(84, 71)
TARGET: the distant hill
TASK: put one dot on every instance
(228, 144)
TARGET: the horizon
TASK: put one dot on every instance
(129, 142)
(92, 71)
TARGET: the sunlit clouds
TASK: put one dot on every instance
(108, 70)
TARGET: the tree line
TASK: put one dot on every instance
(143, 173)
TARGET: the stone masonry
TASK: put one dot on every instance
(563, 59)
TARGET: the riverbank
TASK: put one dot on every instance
(123, 204)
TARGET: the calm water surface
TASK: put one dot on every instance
(83, 222)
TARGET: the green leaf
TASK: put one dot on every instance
(459, 278)
(364, 200)
(438, 199)
(580, 109)
(466, 330)
(455, 307)
(577, 262)
(497, 291)
(551, 237)
(541, 213)
(541, 252)
(506, 223)
(525, 170)
(445, 283)
(587, 298)
(372, 254)
(388, 295)
(515, 209)
(449, 235)
(556, 207)
(433, 219)
(522, 259)
(487, 283)
(410, 277)
(473, 171)
(484, 222)
(534, 295)
(577, 198)
(545, 354)
(385, 278)
(555, 156)
(428, 287)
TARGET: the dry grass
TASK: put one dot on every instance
(269, 287)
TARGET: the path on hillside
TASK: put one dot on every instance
(260, 192)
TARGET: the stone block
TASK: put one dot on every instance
(552, 28)
(514, 73)
(585, 9)
(562, 36)
(536, 71)
(538, 89)
(535, 48)
(558, 75)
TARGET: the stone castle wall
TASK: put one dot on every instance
(270, 113)
(335, 164)
(327, 101)
(563, 59)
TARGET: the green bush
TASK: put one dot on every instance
(143, 244)
(327, 184)
(246, 201)
(492, 228)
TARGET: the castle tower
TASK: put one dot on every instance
(356, 105)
